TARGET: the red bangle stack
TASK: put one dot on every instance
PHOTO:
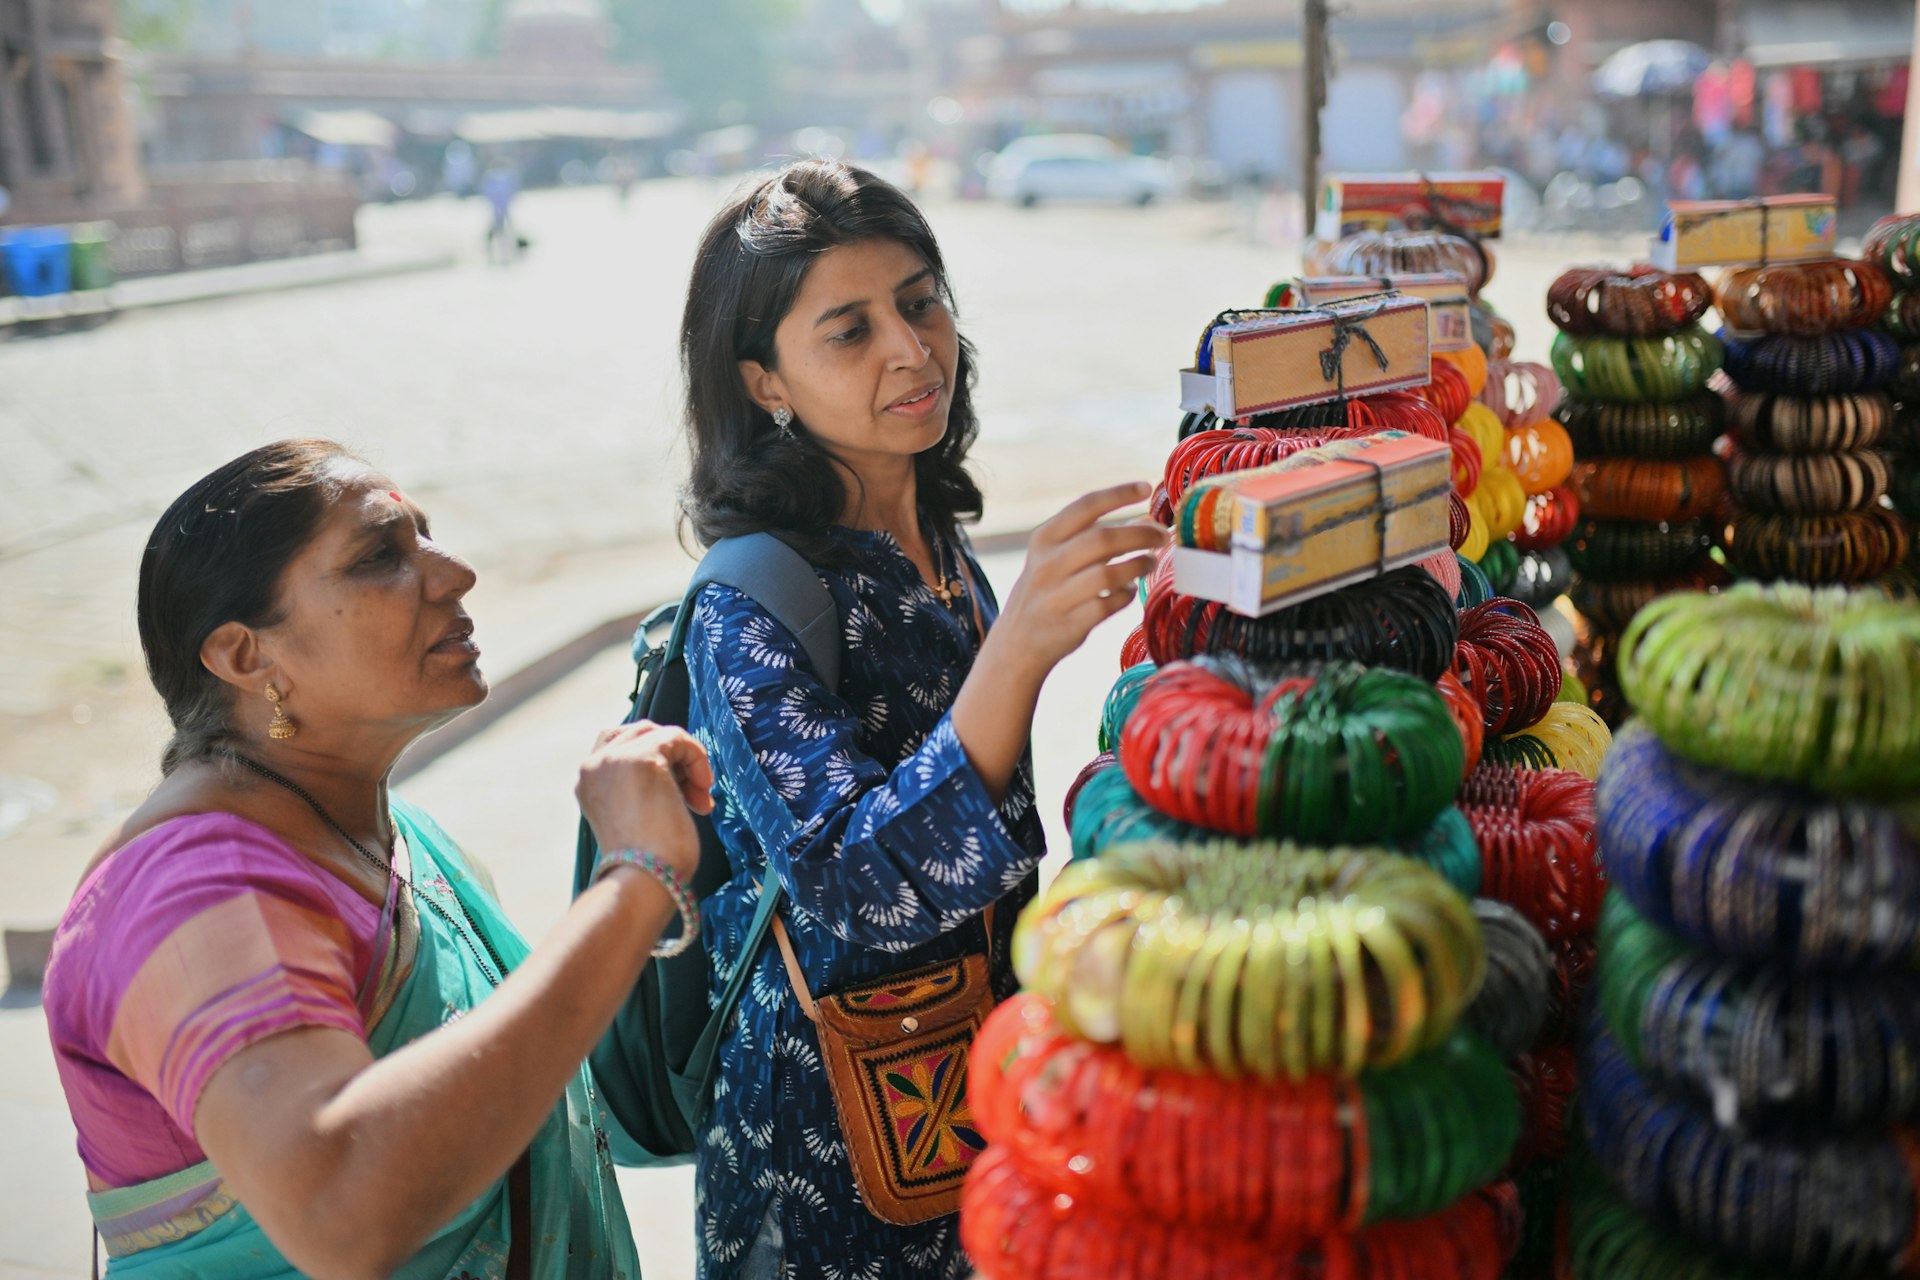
(1508, 662)
(1013, 1228)
(1538, 851)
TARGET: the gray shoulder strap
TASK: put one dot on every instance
(781, 581)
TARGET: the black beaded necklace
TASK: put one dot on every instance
(466, 934)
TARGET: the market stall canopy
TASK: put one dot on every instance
(1793, 32)
(540, 123)
(1651, 67)
(347, 128)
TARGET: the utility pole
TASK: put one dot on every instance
(1907, 193)
(1314, 83)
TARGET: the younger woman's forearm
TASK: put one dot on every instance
(993, 716)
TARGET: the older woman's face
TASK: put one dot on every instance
(374, 633)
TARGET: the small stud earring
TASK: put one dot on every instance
(783, 419)
(282, 726)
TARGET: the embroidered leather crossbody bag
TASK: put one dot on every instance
(896, 1056)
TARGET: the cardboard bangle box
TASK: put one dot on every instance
(1706, 233)
(1449, 322)
(1317, 521)
(1469, 203)
(1274, 360)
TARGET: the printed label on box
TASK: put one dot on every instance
(1466, 203)
(1704, 233)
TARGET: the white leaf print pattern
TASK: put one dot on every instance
(719, 1248)
(968, 859)
(739, 697)
(720, 1142)
(785, 772)
(873, 717)
(760, 1136)
(927, 1252)
(763, 644)
(769, 992)
(824, 1144)
(796, 1187)
(901, 911)
(798, 1050)
(841, 774)
(872, 1271)
(799, 717)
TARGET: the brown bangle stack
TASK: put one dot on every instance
(1808, 475)
(1643, 427)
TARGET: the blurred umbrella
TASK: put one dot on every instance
(1651, 67)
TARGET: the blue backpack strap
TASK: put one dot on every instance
(781, 581)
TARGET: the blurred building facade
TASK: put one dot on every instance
(67, 137)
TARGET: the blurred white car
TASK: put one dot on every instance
(1073, 166)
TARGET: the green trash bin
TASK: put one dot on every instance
(92, 265)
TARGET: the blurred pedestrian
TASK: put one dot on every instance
(500, 184)
(296, 1031)
(830, 400)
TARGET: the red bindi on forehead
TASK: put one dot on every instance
(395, 495)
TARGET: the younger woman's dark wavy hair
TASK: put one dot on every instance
(217, 555)
(748, 475)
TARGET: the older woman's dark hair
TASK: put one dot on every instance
(217, 556)
(747, 474)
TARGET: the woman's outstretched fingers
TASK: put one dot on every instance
(1084, 511)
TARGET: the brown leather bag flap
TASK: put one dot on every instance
(918, 1001)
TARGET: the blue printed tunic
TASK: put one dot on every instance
(888, 848)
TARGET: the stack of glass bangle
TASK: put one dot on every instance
(1635, 363)
(1267, 1028)
(1893, 245)
(1809, 368)
(1752, 1060)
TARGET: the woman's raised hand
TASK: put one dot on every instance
(636, 787)
(1078, 574)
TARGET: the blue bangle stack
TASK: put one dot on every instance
(1751, 1065)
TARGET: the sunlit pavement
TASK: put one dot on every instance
(532, 408)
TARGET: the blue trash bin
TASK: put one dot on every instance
(38, 260)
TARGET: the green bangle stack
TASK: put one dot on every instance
(1637, 370)
(1815, 685)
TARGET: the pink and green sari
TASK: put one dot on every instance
(213, 935)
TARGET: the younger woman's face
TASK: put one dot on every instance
(867, 356)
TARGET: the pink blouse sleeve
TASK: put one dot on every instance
(212, 936)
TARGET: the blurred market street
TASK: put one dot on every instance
(532, 409)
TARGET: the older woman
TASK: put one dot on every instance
(830, 400)
(296, 1032)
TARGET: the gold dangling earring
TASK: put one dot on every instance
(282, 726)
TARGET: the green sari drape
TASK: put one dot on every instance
(425, 976)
